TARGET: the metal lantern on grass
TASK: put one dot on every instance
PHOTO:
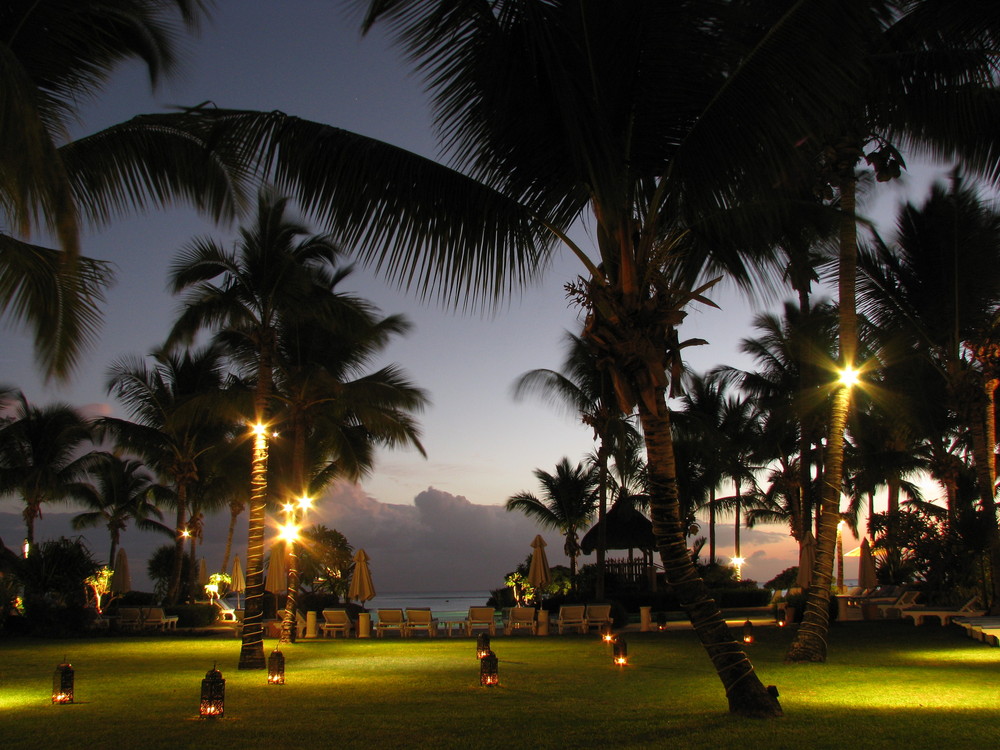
(489, 670)
(62, 683)
(482, 645)
(661, 620)
(748, 632)
(621, 652)
(276, 668)
(780, 618)
(213, 695)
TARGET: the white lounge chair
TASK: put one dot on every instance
(969, 609)
(336, 621)
(390, 619)
(598, 615)
(481, 618)
(155, 618)
(521, 617)
(129, 619)
(572, 616)
(421, 620)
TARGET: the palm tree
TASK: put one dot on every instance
(58, 55)
(179, 412)
(40, 456)
(586, 391)
(274, 274)
(122, 490)
(567, 503)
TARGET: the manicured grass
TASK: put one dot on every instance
(886, 685)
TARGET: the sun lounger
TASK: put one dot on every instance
(521, 617)
(598, 615)
(893, 609)
(390, 619)
(336, 621)
(129, 619)
(572, 616)
(919, 614)
(421, 620)
(155, 618)
(481, 618)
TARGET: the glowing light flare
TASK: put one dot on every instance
(305, 502)
(288, 532)
(849, 377)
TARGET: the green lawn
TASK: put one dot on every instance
(887, 685)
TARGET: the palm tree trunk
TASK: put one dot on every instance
(746, 694)
(602, 510)
(289, 621)
(174, 587)
(711, 526)
(810, 642)
(252, 650)
(983, 428)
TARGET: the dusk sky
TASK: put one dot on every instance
(427, 524)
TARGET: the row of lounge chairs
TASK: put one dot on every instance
(411, 621)
(894, 602)
(133, 619)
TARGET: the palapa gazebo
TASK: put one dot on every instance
(625, 529)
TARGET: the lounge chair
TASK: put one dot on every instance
(421, 619)
(572, 616)
(336, 621)
(598, 615)
(919, 614)
(895, 608)
(481, 618)
(155, 618)
(390, 619)
(521, 617)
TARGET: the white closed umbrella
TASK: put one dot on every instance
(539, 574)
(866, 566)
(121, 579)
(807, 557)
(238, 582)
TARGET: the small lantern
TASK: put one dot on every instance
(748, 632)
(489, 670)
(213, 695)
(621, 652)
(276, 668)
(606, 635)
(482, 645)
(62, 683)
(661, 620)
(780, 618)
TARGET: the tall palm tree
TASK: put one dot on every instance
(58, 55)
(40, 456)
(586, 391)
(567, 503)
(122, 490)
(274, 274)
(179, 412)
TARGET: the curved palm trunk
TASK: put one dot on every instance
(746, 694)
(174, 587)
(811, 641)
(602, 510)
(289, 621)
(252, 650)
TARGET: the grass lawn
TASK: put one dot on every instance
(887, 684)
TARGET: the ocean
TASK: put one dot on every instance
(445, 605)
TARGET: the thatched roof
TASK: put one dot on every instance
(627, 528)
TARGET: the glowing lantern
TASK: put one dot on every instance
(661, 620)
(489, 670)
(276, 668)
(621, 652)
(62, 683)
(482, 645)
(780, 617)
(213, 695)
(606, 635)
(748, 632)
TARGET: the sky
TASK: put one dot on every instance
(427, 524)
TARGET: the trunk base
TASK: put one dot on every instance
(758, 703)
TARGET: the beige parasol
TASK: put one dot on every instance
(539, 574)
(121, 580)
(277, 575)
(866, 566)
(362, 587)
(807, 557)
(238, 582)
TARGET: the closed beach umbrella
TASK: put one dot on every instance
(277, 576)
(866, 566)
(238, 583)
(539, 574)
(362, 587)
(807, 556)
(121, 580)
(202, 572)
